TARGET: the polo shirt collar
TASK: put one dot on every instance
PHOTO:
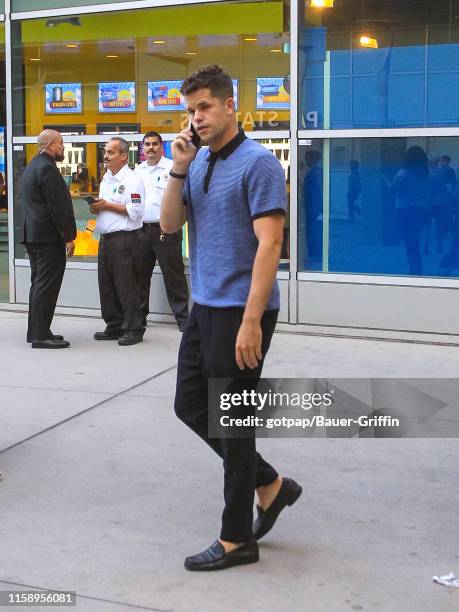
(119, 176)
(160, 164)
(230, 146)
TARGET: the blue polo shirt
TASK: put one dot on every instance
(224, 193)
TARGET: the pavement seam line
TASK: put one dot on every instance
(78, 414)
(113, 601)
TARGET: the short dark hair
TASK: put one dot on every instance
(211, 77)
(123, 144)
(446, 158)
(153, 134)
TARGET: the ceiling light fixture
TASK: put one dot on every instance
(111, 56)
(191, 53)
(56, 21)
(35, 59)
(368, 42)
(275, 50)
(251, 39)
(159, 42)
(72, 46)
(322, 3)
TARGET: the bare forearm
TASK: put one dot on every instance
(173, 210)
(263, 277)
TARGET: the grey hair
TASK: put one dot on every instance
(123, 144)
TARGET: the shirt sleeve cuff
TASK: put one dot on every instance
(269, 213)
(134, 211)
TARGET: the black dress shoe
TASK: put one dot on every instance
(215, 557)
(52, 337)
(287, 496)
(130, 338)
(105, 335)
(50, 344)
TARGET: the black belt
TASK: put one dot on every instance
(112, 234)
(155, 224)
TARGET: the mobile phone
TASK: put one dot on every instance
(90, 199)
(195, 139)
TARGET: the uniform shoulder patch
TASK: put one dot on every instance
(135, 198)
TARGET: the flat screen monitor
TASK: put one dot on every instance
(271, 94)
(165, 96)
(117, 97)
(62, 98)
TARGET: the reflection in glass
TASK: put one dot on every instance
(125, 67)
(368, 64)
(4, 276)
(82, 169)
(380, 206)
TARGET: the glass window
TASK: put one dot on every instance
(380, 206)
(4, 287)
(119, 72)
(125, 67)
(370, 64)
(35, 5)
(83, 170)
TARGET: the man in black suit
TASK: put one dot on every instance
(49, 232)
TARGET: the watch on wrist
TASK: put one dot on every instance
(177, 175)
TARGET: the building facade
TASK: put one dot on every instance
(339, 90)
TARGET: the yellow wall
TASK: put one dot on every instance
(215, 32)
(167, 122)
(217, 19)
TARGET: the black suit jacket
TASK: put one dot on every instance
(46, 202)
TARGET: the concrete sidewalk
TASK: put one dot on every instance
(105, 492)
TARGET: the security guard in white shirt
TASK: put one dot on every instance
(166, 249)
(119, 211)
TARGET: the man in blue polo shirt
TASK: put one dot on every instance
(233, 196)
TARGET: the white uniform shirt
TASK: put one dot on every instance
(121, 188)
(155, 179)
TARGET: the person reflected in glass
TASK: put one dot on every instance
(414, 189)
(314, 207)
(354, 189)
(445, 225)
(450, 261)
(3, 200)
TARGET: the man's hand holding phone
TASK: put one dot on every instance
(95, 204)
(184, 149)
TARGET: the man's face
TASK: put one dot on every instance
(114, 158)
(56, 149)
(211, 116)
(152, 149)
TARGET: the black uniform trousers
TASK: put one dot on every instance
(207, 351)
(47, 265)
(119, 274)
(168, 254)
